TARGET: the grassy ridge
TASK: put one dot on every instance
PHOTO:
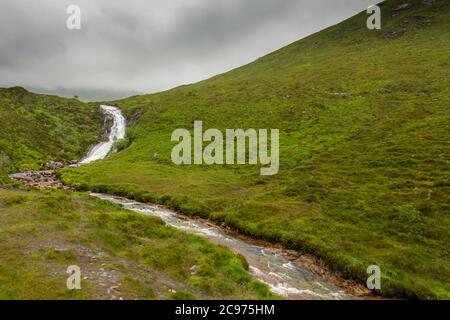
(42, 233)
(363, 118)
(37, 128)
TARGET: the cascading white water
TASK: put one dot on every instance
(101, 150)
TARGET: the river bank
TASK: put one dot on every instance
(288, 273)
(122, 255)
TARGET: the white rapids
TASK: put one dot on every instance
(102, 149)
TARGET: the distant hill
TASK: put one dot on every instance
(364, 132)
(37, 128)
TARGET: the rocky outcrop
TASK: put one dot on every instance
(108, 121)
(401, 7)
(44, 179)
(429, 2)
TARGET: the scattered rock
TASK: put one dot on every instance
(401, 7)
(53, 165)
(429, 2)
(155, 156)
(392, 34)
(342, 94)
(39, 179)
(194, 270)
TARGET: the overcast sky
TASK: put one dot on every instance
(142, 46)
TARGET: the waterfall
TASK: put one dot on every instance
(117, 132)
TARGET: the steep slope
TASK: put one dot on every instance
(37, 128)
(364, 157)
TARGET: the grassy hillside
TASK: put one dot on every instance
(37, 128)
(364, 132)
(121, 254)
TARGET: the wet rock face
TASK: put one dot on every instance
(108, 121)
(44, 179)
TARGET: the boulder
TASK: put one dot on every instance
(401, 7)
(429, 2)
(53, 165)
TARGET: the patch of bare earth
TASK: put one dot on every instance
(105, 276)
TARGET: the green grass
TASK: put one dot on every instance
(37, 128)
(42, 233)
(364, 133)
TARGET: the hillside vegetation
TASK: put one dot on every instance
(121, 254)
(364, 157)
(36, 128)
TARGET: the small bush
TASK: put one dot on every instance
(14, 200)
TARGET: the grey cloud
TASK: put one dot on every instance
(129, 47)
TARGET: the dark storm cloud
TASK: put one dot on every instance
(133, 46)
